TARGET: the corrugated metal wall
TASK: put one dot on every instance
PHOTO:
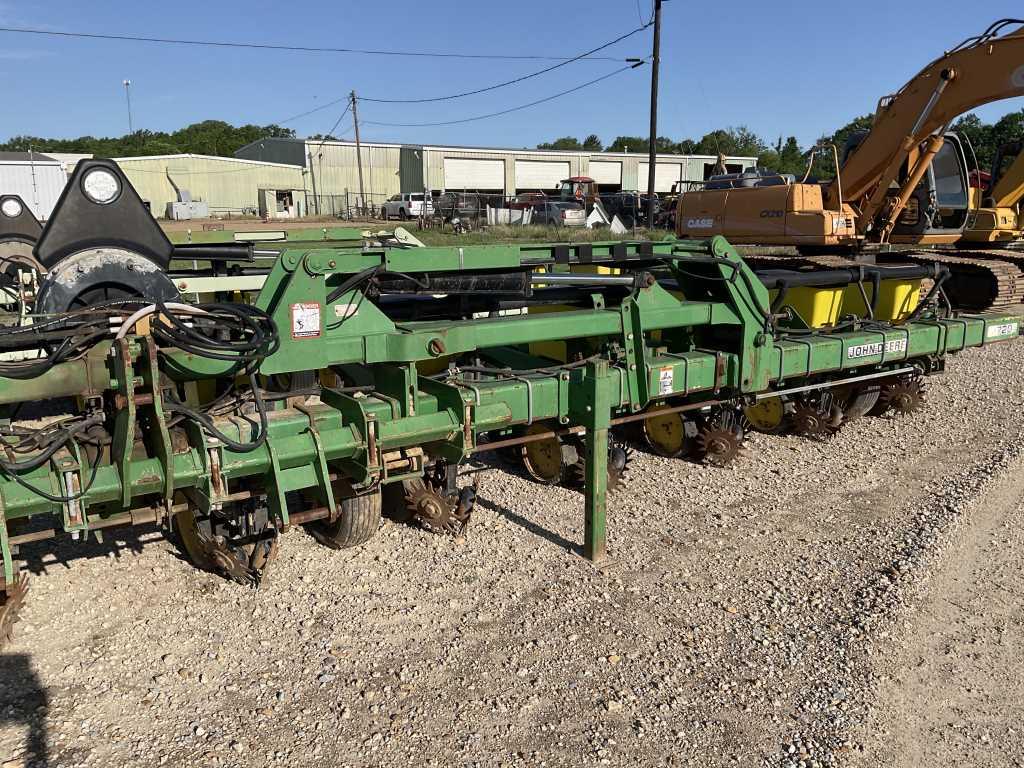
(335, 171)
(226, 185)
(38, 184)
(392, 168)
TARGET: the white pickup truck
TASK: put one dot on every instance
(406, 206)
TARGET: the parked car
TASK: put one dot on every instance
(559, 214)
(525, 200)
(406, 206)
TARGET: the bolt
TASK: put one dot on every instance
(182, 285)
(629, 337)
(632, 366)
(436, 347)
(332, 263)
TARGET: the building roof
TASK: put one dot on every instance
(494, 150)
(521, 151)
(204, 157)
(25, 157)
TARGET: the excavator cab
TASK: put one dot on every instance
(937, 210)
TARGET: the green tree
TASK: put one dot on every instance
(593, 143)
(687, 147)
(791, 157)
(566, 142)
(628, 144)
(739, 141)
(824, 164)
(210, 137)
(1008, 128)
(979, 133)
(663, 145)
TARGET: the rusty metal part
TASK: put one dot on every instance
(10, 604)
(818, 414)
(808, 420)
(721, 438)
(903, 396)
(121, 402)
(434, 510)
(619, 457)
(240, 560)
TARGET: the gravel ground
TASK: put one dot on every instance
(850, 602)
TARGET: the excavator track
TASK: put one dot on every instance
(979, 280)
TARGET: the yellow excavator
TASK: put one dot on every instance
(904, 182)
(999, 220)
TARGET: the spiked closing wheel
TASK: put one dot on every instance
(210, 548)
(817, 414)
(903, 396)
(721, 438)
(809, 421)
(435, 510)
(10, 604)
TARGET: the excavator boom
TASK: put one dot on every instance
(982, 69)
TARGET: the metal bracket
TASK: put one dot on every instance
(320, 465)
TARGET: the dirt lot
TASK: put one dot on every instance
(854, 602)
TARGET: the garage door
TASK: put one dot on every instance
(606, 171)
(474, 175)
(540, 174)
(664, 175)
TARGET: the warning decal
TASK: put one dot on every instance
(665, 380)
(305, 321)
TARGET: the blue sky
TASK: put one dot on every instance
(793, 67)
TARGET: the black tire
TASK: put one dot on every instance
(358, 521)
(863, 402)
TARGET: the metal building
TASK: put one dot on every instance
(389, 169)
(37, 179)
(228, 186)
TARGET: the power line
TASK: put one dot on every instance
(495, 87)
(337, 122)
(298, 48)
(313, 111)
(511, 109)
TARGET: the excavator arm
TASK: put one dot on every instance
(982, 69)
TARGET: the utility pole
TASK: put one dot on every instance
(359, 153)
(128, 97)
(652, 156)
